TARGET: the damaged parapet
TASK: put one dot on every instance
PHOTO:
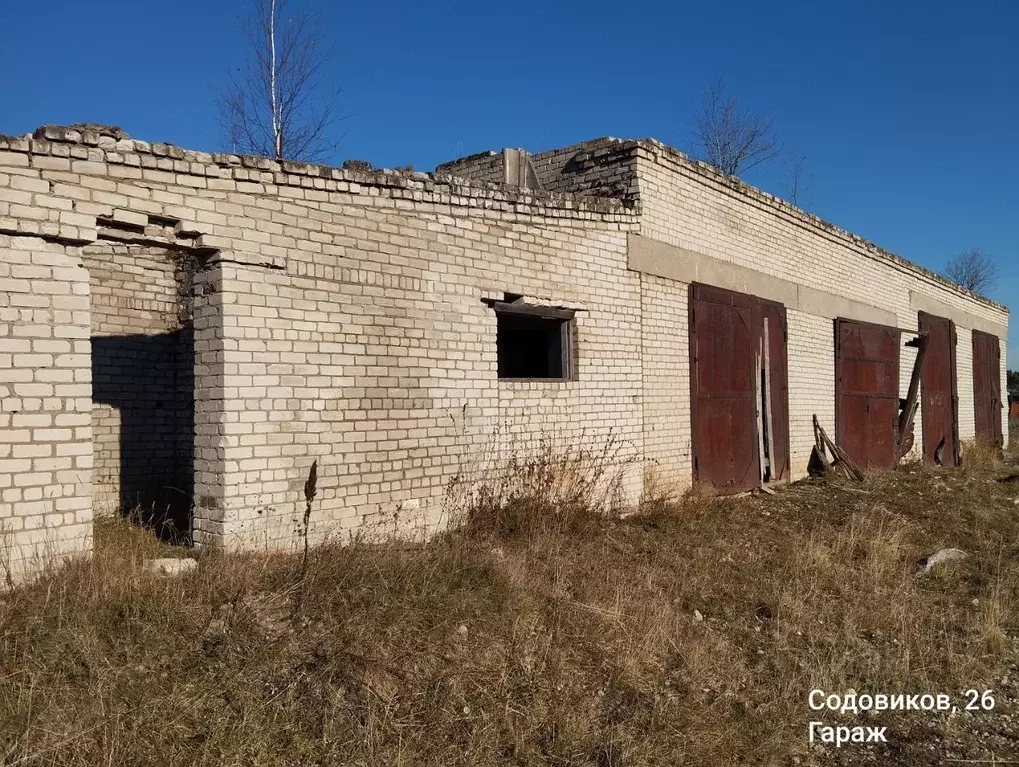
(604, 167)
(519, 171)
(89, 134)
(509, 166)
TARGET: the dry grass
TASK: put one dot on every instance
(983, 456)
(534, 635)
(558, 488)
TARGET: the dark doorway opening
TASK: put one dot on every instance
(149, 381)
(143, 383)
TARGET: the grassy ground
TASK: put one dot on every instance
(689, 635)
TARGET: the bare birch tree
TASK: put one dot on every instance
(731, 138)
(278, 103)
(972, 269)
(798, 182)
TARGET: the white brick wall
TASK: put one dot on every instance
(338, 317)
(811, 350)
(964, 382)
(45, 388)
(366, 369)
(665, 376)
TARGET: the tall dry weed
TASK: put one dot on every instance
(978, 455)
(558, 484)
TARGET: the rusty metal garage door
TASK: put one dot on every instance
(987, 387)
(728, 389)
(866, 392)
(938, 399)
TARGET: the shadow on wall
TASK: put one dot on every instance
(149, 381)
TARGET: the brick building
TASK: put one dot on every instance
(187, 332)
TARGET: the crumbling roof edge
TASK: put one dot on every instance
(587, 145)
(741, 187)
(777, 204)
(112, 145)
(487, 154)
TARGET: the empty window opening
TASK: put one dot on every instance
(533, 342)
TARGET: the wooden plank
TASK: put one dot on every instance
(907, 413)
(778, 382)
(774, 461)
(532, 310)
(843, 461)
(761, 450)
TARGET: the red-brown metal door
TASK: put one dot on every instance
(866, 392)
(773, 318)
(723, 342)
(987, 387)
(938, 399)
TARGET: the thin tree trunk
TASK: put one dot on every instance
(277, 132)
(276, 106)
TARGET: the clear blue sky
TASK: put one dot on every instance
(907, 112)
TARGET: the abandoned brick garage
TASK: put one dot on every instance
(188, 332)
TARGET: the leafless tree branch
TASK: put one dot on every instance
(798, 182)
(973, 269)
(277, 103)
(733, 139)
